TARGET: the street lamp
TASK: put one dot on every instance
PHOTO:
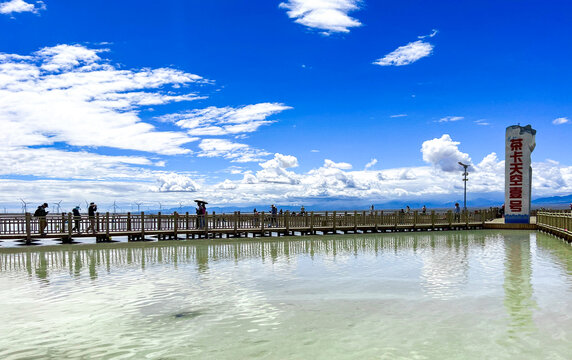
(465, 174)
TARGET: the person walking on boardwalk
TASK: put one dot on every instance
(91, 213)
(424, 210)
(77, 219)
(41, 213)
(274, 214)
(457, 212)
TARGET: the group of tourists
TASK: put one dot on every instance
(201, 212)
(274, 213)
(41, 214)
(408, 210)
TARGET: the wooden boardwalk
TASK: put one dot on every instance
(558, 223)
(138, 227)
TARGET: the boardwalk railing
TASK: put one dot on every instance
(558, 223)
(137, 226)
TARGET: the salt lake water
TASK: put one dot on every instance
(434, 295)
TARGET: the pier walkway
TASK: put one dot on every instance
(558, 223)
(141, 226)
(137, 227)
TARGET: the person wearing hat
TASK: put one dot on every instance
(41, 215)
(91, 213)
(77, 219)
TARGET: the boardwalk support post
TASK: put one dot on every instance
(63, 225)
(312, 223)
(466, 218)
(206, 223)
(334, 222)
(107, 226)
(175, 224)
(187, 224)
(142, 225)
(236, 224)
(68, 238)
(28, 228)
(97, 222)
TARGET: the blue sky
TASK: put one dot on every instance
(294, 101)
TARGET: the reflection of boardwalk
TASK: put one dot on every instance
(95, 258)
(137, 227)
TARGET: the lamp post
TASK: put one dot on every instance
(465, 174)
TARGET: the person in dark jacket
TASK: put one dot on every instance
(77, 219)
(91, 213)
(41, 215)
(273, 216)
(457, 212)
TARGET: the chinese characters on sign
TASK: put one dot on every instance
(515, 165)
(520, 142)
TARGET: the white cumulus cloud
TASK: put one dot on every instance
(406, 54)
(20, 6)
(334, 165)
(326, 184)
(274, 170)
(68, 94)
(66, 57)
(173, 182)
(328, 15)
(444, 153)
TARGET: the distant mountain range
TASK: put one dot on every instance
(554, 200)
(342, 206)
(487, 200)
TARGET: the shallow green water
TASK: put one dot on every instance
(444, 295)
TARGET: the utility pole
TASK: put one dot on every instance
(465, 174)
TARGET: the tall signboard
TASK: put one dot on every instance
(520, 142)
